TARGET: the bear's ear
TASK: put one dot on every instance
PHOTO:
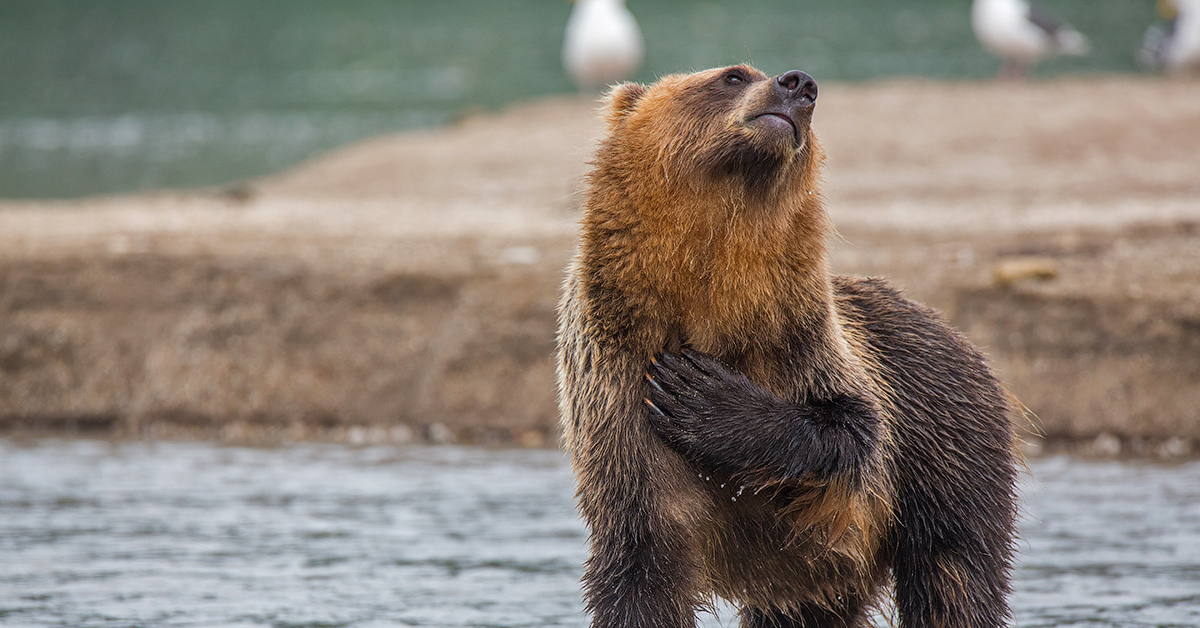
(621, 99)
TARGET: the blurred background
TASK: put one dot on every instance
(278, 285)
(112, 96)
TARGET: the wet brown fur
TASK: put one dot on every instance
(702, 231)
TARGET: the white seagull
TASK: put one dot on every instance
(602, 45)
(1176, 48)
(1022, 33)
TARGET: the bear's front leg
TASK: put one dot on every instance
(637, 496)
(721, 421)
(640, 573)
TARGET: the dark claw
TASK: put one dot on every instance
(676, 370)
(653, 408)
(665, 374)
(653, 383)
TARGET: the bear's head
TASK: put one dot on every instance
(727, 122)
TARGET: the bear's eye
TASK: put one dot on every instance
(735, 78)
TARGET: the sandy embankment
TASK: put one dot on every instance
(404, 288)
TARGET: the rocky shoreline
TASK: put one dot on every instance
(403, 289)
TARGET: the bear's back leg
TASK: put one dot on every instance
(952, 463)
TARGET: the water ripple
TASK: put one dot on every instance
(185, 534)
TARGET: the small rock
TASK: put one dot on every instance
(1174, 447)
(1009, 271)
(1106, 445)
(439, 434)
(357, 435)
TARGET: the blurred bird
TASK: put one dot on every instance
(602, 45)
(1177, 47)
(1022, 33)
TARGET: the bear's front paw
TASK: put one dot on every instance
(694, 399)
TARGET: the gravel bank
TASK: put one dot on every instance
(404, 288)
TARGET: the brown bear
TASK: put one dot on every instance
(742, 423)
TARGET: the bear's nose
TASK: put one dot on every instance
(796, 85)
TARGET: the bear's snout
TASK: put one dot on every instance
(796, 88)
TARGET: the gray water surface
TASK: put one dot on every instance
(194, 534)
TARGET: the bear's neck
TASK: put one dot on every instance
(743, 277)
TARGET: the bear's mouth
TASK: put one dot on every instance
(782, 121)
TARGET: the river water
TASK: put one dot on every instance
(97, 534)
(104, 96)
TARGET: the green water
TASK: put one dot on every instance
(107, 96)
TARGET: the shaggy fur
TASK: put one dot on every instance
(745, 425)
